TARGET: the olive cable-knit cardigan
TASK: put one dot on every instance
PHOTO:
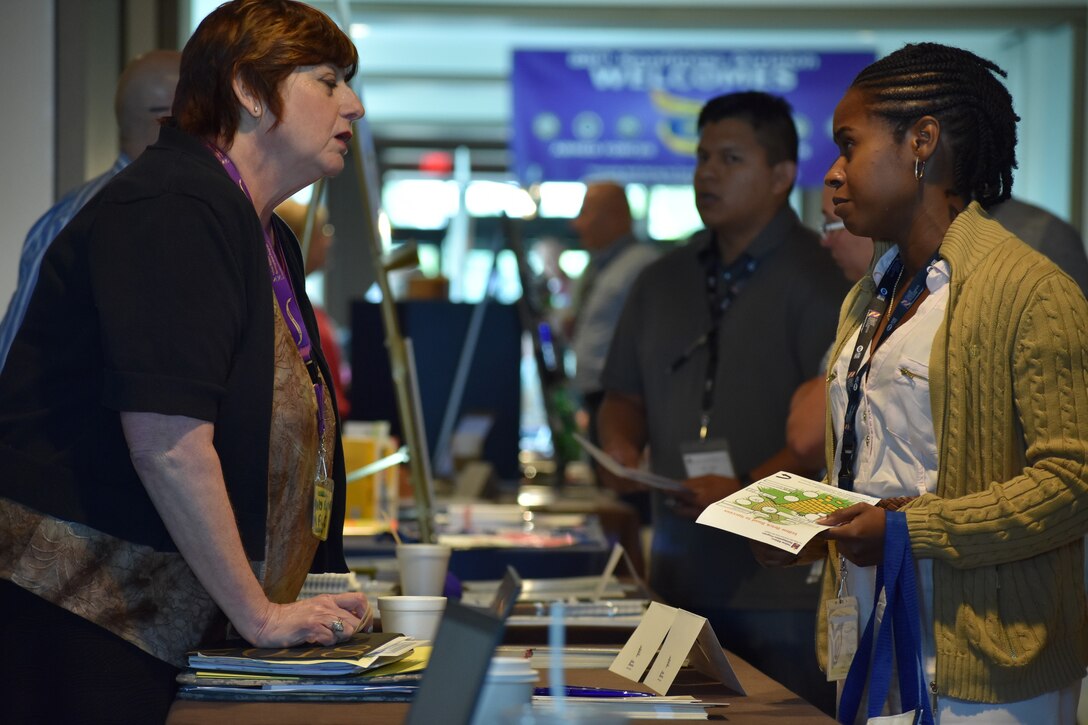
(1009, 396)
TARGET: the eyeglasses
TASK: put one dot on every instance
(829, 227)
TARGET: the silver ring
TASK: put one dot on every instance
(337, 625)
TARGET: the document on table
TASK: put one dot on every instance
(361, 652)
(780, 510)
(613, 466)
(669, 707)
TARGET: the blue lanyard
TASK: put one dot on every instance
(722, 288)
(900, 623)
(857, 372)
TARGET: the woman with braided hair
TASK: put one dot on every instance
(958, 391)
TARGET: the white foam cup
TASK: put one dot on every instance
(422, 569)
(416, 617)
(508, 685)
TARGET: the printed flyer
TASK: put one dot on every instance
(780, 510)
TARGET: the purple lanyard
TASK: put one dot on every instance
(285, 294)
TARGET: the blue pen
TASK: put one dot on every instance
(573, 691)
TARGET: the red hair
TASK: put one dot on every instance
(261, 42)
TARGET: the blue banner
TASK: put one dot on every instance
(630, 115)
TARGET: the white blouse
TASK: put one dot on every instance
(897, 450)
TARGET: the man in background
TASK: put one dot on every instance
(1053, 237)
(616, 258)
(713, 340)
(604, 230)
(805, 424)
(145, 93)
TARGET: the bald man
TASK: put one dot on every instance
(604, 230)
(805, 424)
(145, 92)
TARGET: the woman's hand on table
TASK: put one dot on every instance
(859, 533)
(312, 620)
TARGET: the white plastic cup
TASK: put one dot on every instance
(507, 687)
(422, 569)
(416, 617)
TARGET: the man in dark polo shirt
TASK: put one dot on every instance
(713, 340)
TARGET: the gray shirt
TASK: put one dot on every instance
(613, 272)
(1054, 237)
(771, 340)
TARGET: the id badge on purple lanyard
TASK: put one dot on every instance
(292, 315)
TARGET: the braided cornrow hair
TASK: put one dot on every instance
(960, 90)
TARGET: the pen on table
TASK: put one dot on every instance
(573, 691)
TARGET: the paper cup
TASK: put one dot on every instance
(416, 617)
(507, 687)
(422, 569)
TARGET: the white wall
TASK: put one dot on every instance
(1041, 77)
(27, 128)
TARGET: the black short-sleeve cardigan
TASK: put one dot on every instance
(155, 298)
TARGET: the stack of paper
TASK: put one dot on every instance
(573, 657)
(329, 583)
(357, 654)
(678, 707)
(338, 678)
(551, 590)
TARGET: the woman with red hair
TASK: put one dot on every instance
(169, 456)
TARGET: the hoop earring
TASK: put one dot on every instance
(919, 168)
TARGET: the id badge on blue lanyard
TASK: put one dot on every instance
(857, 372)
(722, 287)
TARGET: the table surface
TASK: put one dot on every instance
(766, 702)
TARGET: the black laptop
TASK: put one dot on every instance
(466, 640)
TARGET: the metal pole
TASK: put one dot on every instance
(407, 395)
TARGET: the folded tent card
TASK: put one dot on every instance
(674, 636)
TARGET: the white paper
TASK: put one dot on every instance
(709, 463)
(780, 510)
(673, 635)
(682, 635)
(708, 657)
(635, 656)
(614, 467)
(609, 570)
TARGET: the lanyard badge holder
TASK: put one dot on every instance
(722, 287)
(292, 316)
(900, 622)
